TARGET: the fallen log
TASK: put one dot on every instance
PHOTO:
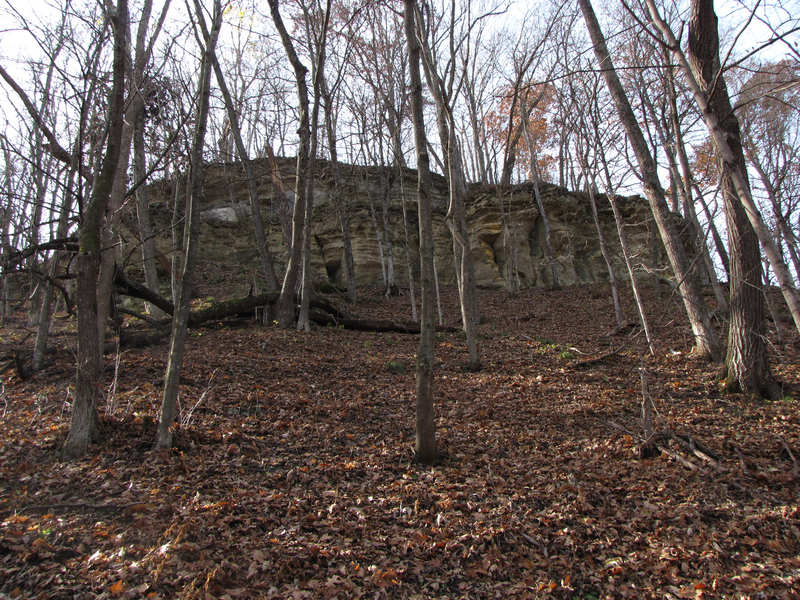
(219, 311)
(134, 289)
(229, 308)
(370, 325)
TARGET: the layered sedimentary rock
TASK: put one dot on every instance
(375, 199)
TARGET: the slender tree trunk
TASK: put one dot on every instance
(456, 216)
(191, 233)
(84, 409)
(408, 247)
(177, 239)
(436, 286)
(303, 323)
(626, 253)
(512, 281)
(62, 229)
(427, 452)
(264, 254)
(783, 227)
(388, 238)
(6, 212)
(691, 213)
(706, 339)
(143, 213)
(45, 319)
(285, 308)
(341, 204)
(718, 243)
(43, 296)
(135, 101)
(668, 141)
(655, 259)
(612, 277)
(280, 198)
(379, 236)
(534, 175)
(776, 318)
(477, 144)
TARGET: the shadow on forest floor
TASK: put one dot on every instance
(293, 472)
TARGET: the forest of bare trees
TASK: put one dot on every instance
(699, 114)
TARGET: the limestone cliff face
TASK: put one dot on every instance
(375, 199)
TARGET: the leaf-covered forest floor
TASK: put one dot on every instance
(293, 474)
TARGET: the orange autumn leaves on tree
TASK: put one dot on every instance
(540, 125)
(705, 167)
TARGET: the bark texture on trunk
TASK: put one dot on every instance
(285, 309)
(706, 339)
(191, 234)
(747, 363)
(87, 263)
(426, 449)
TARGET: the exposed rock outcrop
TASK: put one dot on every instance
(227, 232)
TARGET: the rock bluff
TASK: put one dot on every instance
(375, 197)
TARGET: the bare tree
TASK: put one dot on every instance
(252, 185)
(588, 136)
(747, 364)
(426, 449)
(706, 338)
(770, 119)
(285, 307)
(191, 230)
(84, 409)
(444, 89)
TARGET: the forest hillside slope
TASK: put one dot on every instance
(293, 473)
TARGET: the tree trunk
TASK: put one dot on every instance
(341, 204)
(427, 452)
(378, 235)
(612, 277)
(718, 243)
(143, 213)
(783, 227)
(510, 267)
(776, 317)
(623, 240)
(706, 339)
(135, 101)
(303, 323)
(747, 364)
(408, 248)
(525, 115)
(456, 217)
(280, 199)
(191, 234)
(264, 254)
(388, 237)
(47, 298)
(6, 214)
(691, 213)
(285, 309)
(62, 230)
(84, 408)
